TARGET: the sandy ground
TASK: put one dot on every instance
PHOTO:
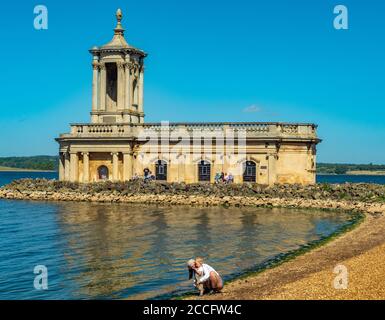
(311, 276)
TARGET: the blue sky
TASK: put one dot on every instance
(208, 61)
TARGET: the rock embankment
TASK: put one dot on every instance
(344, 196)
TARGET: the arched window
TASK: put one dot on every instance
(161, 170)
(111, 85)
(249, 171)
(204, 171)
(135, 92)
(103, 173)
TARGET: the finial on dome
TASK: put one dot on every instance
(119, 16)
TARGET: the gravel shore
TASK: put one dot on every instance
(311, 277)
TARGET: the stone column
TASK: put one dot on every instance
(135, 161)
(95, 74)
(127, 91)
(140, 90)
(66, 166)
(103, 81)
(74, 166)
(181, 167)
(86, 167)
(127, 166)
(115, 167)
(134, 89)
(121, 87)
(61, 166)
(272, 173)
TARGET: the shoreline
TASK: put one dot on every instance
(310, 276)
(281, 259)
(307, 274)
(354, 173)
(349, 173)
(365, 173)
(9, 169)
(194, 200)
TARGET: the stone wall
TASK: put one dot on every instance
(199, 194)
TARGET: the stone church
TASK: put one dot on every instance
(119, 145)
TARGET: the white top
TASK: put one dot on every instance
(206, 269)
(198, 275)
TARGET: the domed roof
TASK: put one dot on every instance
(118, 42)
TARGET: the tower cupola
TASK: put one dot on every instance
(117, 84)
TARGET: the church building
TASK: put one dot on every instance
(119, 145)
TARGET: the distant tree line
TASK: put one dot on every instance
(51, 163)
(343, 168)
(35, 162)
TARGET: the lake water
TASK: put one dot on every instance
(117, 251)
(342, 178)
(111, 251)
(8, 176)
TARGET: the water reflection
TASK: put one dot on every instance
(115, 250)
(104, 245)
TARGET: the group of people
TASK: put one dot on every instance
(205, 278)
(219, 177)
(224, 177)
(147, 175)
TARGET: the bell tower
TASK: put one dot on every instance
(117, 81)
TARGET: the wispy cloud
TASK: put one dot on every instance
(252, 108)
